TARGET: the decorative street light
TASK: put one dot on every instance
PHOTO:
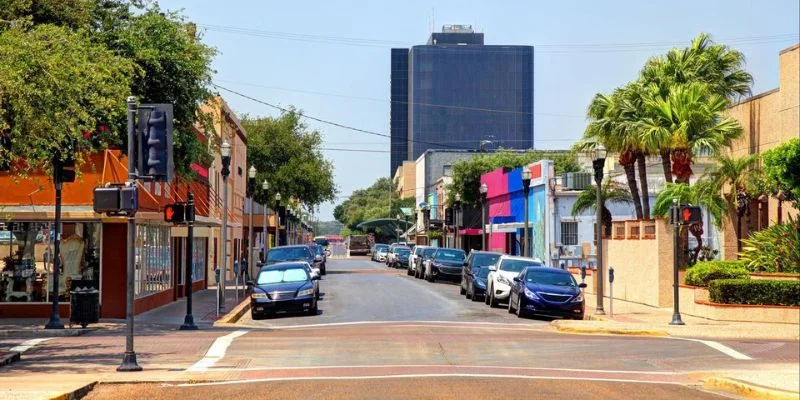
(265, 244)
(598, 162)
(251, 186)
(526, 188)
(278, 219)
(398, 230)
(225, 152)
(483, 190)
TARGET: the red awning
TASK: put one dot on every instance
(471, 232)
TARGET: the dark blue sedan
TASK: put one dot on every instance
(548, 292)
(284, 286)
(475, 282)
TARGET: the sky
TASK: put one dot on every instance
(331, 58)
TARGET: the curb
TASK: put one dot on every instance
(76, 394)
(749, 390)
(42, 333)
(9, 358)
(234, 315)
(561, 327)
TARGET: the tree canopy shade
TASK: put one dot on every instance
(287, 155)
(782, 170)
(611, 192)
(467, 173)
(375, 202)
(55, 86)
(85, 58)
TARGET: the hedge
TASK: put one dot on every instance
(706, 271)
(773, 292)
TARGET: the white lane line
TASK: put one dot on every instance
(333, 367)
(216, 351)
(28, 344)
(416, 376)
(411, 323)
(721, 348)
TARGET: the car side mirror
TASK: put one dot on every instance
(492, 268)
(315, 277)
(516, 279)
(250, 283)
(582, 285)
(317, 257)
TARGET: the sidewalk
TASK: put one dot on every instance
(61, 365)
(774, 381)
(640, 319)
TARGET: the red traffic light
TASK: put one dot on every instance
(691, 215)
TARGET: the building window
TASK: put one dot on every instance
(447, 170)
(26, 260)
(153, 259)
(569, 233)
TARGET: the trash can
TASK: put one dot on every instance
(84, 306)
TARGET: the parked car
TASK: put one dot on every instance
(401, 257)
(297, 252)
(476, 260)
(415, 259)
(446, 263)
(427, 253)
(546, 291)
(476, 282)
(392, 252)
(319, 251)
(379, 252)
(501, 277)
(285, 286)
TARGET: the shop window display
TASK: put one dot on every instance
(26, 259)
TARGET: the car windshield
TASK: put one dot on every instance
(404, 252)
(288, 253)
(429, 252)
(381, 247)
(483, 272)
(321, 242)
(518, 265)
(550, 278)
(448, 254)
(282, 275)
(482, 260)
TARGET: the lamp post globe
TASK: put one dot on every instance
(526, 186)
(225, 149)
(484, 190)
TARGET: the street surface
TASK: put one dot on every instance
(382, 334)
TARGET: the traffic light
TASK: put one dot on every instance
(690, 215)
(448, 216)
(115, 200)
(155, 142)
(63, 170)
(175, 213)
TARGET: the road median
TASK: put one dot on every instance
(603, 327)
(748, 389)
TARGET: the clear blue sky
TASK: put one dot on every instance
(331, 58)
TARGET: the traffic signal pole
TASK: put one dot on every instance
(188, 320)
(676, 223)
(129, 360)
(55, 320)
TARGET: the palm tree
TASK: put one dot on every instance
(610, 121)
(611, 192)
(692, 119)
(735, 173)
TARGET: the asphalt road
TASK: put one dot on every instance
(381, 334)
(358, 290)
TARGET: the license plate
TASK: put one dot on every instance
(259, 308)
(306, 304)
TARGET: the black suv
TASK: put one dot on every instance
(476, 260)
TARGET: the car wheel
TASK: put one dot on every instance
(493, 301)
(469, 294)
(510, 307)
(486, 296)
(254, 316)
(322, 270)
(520, 310)
(579, 316)
(313, 310)
(474, 296)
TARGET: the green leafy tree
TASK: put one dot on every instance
(56, 88)
(782, 170)
(467, 173)
(288, 155)
(374, 202)
(611, 192)
(735, 173)
(774, 249)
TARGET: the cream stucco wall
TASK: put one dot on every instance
(405, 179)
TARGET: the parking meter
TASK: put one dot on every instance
(583, 273)
(611, 291)
(611, 275)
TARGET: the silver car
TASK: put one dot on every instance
(416, 259)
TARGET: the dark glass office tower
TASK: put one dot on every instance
(399, 109)
(462, 92)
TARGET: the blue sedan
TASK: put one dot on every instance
(284, 286)
(548, 292)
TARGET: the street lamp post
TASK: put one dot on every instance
(265, 186)
(526, 188)
(398, 230)
(456, 216)
(598, 163)
(483, 190)
(225, 152)
(251, 185)
(188, 320)
(277, 219)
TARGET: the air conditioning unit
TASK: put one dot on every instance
(577, 180)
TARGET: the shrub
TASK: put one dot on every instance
(774, 249)
(772, 292)
(706, 271)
